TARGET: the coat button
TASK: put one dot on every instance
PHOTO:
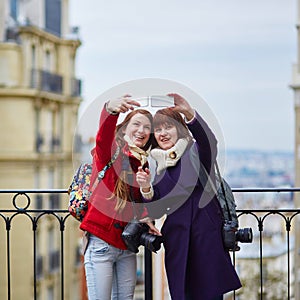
(118, 226)
(172, 155)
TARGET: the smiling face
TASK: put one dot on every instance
(138, 130)
(169, 127)
(166, 135)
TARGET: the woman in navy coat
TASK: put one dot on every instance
(197, 265)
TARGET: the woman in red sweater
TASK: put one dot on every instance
(110, 267)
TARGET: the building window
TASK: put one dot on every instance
(48, 118)
(39, 201)
(53, 253)
(55, 142)
(53, 16)
(37, 184)
(39, 266)
(39, 139)
(50, 293)
(53, 261)
(47, 62)
(51, 178)
(33, 57)
(14, 9)
(54, 201)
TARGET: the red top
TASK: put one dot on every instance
(101, 219)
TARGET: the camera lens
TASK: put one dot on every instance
(244, 235)
(136, 234)
(151, 241)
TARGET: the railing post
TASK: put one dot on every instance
(260, 228)
(8, 256)
(288, 228)
(148, 274)
(34, 227)
(62, 228)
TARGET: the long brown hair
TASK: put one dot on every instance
(167, 116)
(121, 191)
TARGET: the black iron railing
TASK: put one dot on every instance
(46, 81)
(260, 216)
(23, 207)
(31, 206)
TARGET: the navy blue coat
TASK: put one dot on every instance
(197, 265)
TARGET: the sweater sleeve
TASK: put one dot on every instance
(205, 139)
(105, 138)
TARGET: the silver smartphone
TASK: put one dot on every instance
(156, 101)
(161, 101)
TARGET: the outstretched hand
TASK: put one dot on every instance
(181, 105)
(122, 104)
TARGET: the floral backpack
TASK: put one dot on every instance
(80, 189)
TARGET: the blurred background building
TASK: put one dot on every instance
(39, 98)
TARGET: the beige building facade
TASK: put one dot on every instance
(39, 101)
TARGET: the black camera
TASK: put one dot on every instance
(136, 233)
(232, 235)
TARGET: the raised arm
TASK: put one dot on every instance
(203, 135)
(105, 138)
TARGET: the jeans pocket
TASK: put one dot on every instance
(100, 247)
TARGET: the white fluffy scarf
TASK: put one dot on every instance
(170, 157)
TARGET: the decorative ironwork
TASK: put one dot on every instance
(22, 205)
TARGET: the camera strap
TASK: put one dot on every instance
(212, 186)
(223, 190)
(101, 174)
(131, 193)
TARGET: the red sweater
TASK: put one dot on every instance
(101, 219)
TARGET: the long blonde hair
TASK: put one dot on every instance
(122, 190)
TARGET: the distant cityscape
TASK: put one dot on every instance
(254, 168)
(243, 168)
(261, 169)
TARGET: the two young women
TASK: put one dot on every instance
(197, 265)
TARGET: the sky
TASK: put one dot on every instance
(237, 55)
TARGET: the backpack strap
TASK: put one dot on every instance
(204, 178)
(223, 190)
(106, 167)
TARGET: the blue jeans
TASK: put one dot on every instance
(110, 272)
